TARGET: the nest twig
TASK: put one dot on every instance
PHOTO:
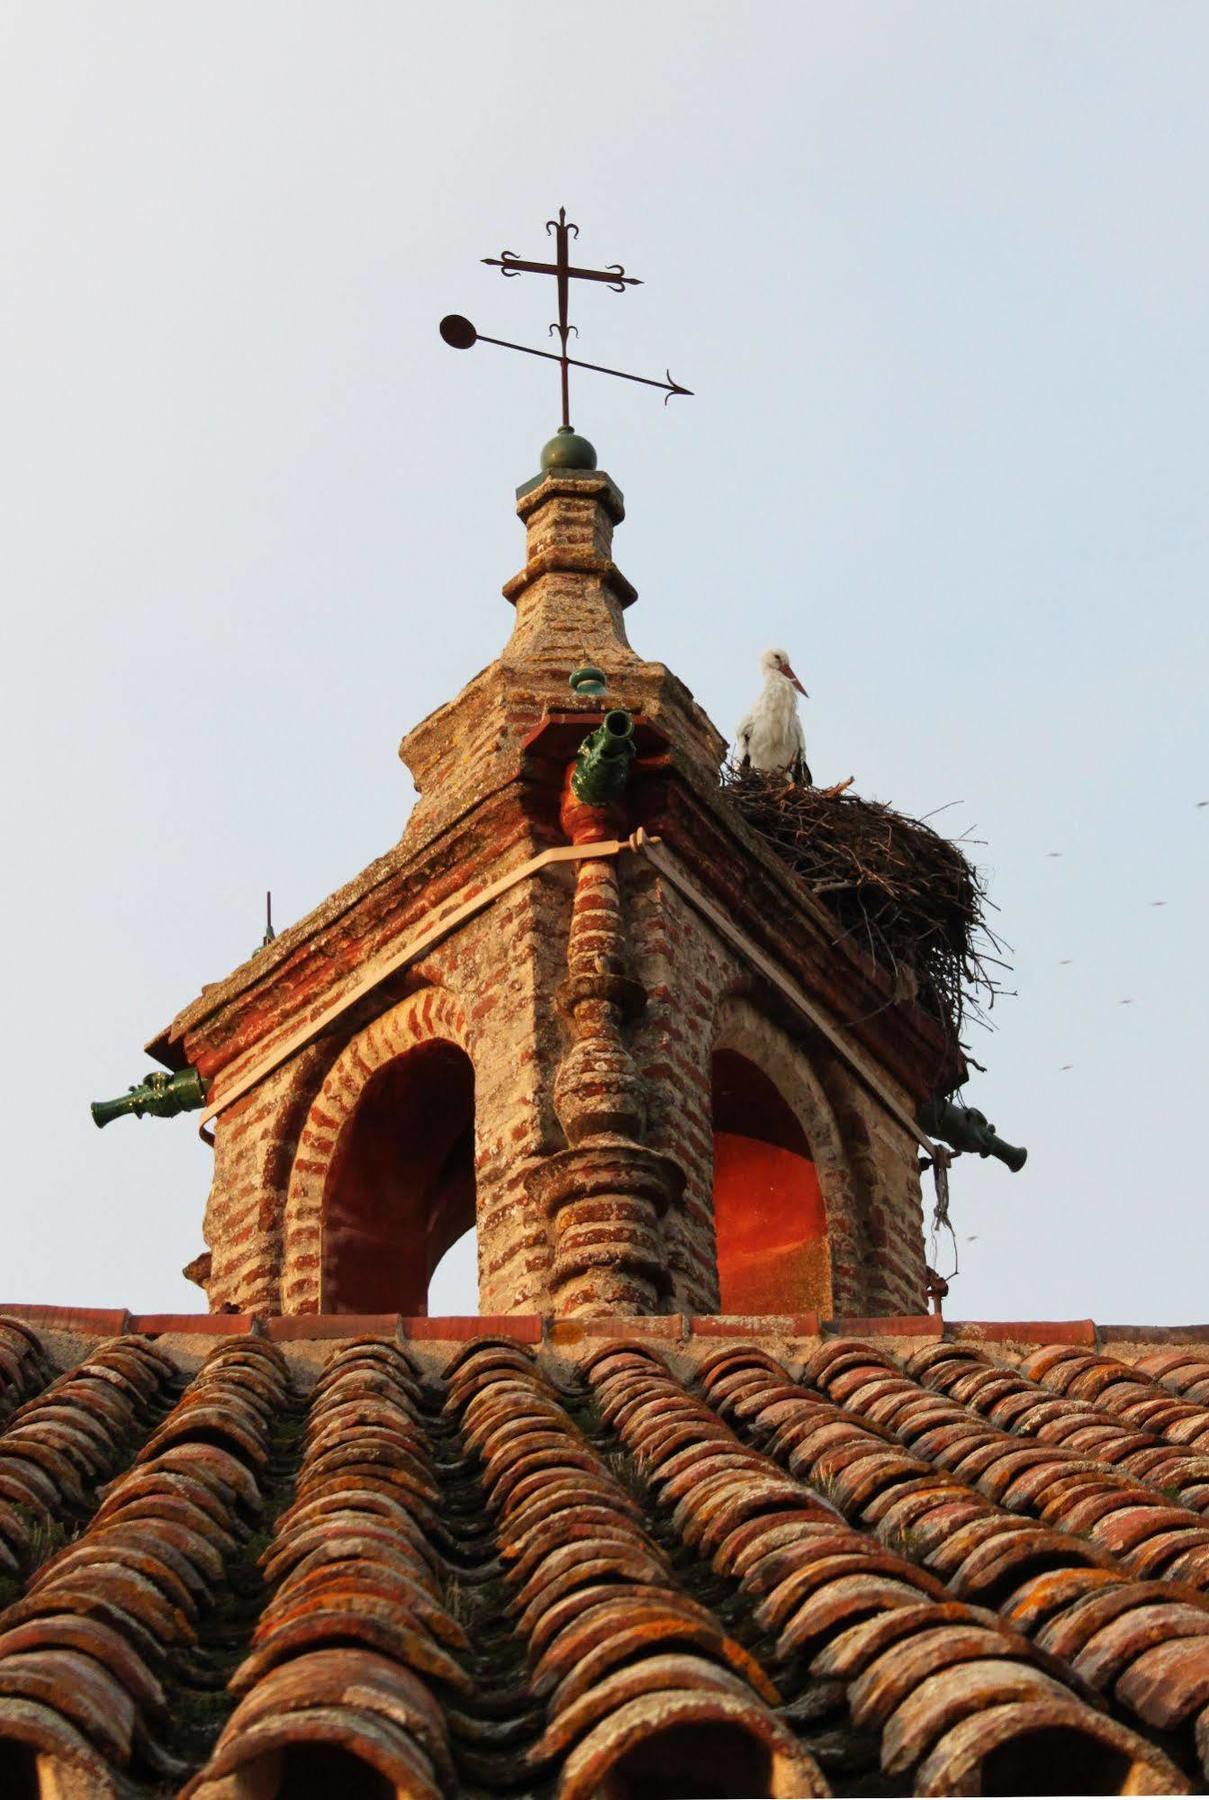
(908, 897)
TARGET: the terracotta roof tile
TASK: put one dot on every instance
(626, 1556)
(824, 1579)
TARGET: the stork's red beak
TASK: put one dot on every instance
(789, 675)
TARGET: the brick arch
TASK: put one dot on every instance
(432, 1016)
(741, 1029)
(889, 1269)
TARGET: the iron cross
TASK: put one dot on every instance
(461, 334)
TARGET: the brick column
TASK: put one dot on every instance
(603, 1196)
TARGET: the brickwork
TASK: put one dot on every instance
(684, 972)
(254, 1151)
(488, 997)
(879, 1268)
(741, 1027)
(428, 1016)
(516, 1056)
(605, 1195)
(569, 599)
(570, 582)
(697, 991)
(589, 1002)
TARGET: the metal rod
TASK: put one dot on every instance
(673, 387)
(564, 294)
(514, 265)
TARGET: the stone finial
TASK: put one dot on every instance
(570, 595)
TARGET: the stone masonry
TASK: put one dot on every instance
(589, 998)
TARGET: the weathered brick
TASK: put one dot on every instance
(886, 1325)
(522, 1328)
(482, 809)
(1064, 1331)
(207, 1324)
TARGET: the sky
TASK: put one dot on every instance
(935, 271)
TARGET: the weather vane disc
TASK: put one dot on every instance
(461, 334)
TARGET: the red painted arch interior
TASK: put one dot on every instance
(768, 1207)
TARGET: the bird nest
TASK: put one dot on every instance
(907, 896)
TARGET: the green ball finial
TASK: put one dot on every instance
(567, 450)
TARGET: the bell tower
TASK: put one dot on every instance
(579, 1004)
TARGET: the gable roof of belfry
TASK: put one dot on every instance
(754, 1556)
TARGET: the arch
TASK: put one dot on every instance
(783, 1191)
(455, 1276)
(383, 1177)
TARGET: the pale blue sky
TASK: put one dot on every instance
(937, 275)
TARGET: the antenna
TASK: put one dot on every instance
(269, 933)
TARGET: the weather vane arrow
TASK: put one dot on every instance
(461, 334)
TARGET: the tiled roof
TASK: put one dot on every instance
(735, 1562)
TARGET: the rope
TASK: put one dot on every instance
(942, 1159)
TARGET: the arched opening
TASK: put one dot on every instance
(453, 1290)
(400, 1186)
(769, 1216)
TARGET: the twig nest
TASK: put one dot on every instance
(904, 894)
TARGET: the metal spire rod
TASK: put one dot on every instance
(461, 334)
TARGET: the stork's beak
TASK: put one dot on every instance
(789, 675)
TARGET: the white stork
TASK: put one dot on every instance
(771, 735)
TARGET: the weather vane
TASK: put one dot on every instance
(461, 334)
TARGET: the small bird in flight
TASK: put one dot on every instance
(1065, 962)
(771, 736)
(1063, 1067)
(1126, 1002)
(1053, 853)
(1158, 902)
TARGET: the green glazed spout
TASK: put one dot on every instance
(161, 1095)
(602, 765)
(965, 1128)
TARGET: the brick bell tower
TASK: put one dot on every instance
(593, 1015)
